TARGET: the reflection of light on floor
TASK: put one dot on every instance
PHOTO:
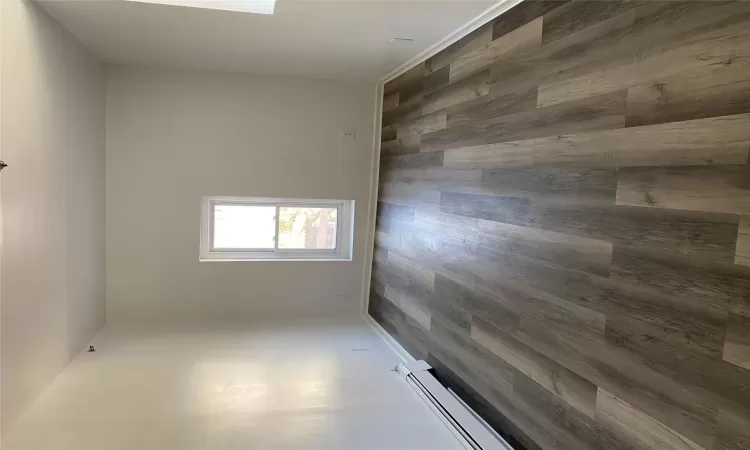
(292, 395)
(230, 387)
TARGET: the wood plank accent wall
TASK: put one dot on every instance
(563, 226)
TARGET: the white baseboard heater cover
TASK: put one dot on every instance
(470, 429)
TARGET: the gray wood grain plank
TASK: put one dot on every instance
(563, 222)
(570, 387)
(594, 186)
(636, 428)
(525, 37)
(604, 112)
(722, 189)
(742, 255)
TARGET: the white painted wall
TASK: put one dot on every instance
(53, 138)
(174, 136)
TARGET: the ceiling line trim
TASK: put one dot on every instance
(485, 16)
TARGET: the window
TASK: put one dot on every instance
(246, 6)
(243, 229)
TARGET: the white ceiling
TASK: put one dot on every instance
(341, 39)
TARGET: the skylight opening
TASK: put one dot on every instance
(246, 6)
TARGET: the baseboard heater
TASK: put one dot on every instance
(470, 429)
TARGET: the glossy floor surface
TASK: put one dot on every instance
(275, 387)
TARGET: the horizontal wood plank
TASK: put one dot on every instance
(637, 428)
(522, 38)
(737, 344)
(722, 189)
(457, 93)
(570, 387)
(742, 255)
(563, 225)
(592, 114)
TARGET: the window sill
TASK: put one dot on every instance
(272, 259)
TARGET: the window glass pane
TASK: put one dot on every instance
(309, 228)
(244, 226)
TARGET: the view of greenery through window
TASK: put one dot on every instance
(239, 226)
(308, 228)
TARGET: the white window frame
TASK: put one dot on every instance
(344, 231)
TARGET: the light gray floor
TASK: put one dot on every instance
(273, 387)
